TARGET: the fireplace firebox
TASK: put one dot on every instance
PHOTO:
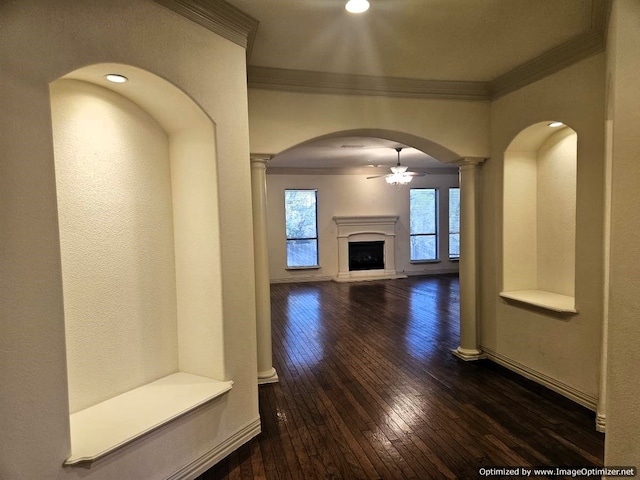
(366, 255)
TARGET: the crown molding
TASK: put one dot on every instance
(371, 171)
(233, 24)
(219, 17)
(552, 61)
(306, 81)
(580, 47)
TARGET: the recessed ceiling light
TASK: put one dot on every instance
(116, 78)
(357, 6)
(556, 124)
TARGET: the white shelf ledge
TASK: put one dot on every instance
(543, 299)
(107, 426)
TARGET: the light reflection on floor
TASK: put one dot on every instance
(303, 337)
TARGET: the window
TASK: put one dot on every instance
(454, 223)
(301, 225)
(423, 220)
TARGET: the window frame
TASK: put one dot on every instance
(454, 257)
(288, 239)
(435, 234)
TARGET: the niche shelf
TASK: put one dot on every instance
(539, 218)
(104, 428)
(547, 300)
(139, 241)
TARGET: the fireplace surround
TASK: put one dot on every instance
(369, 228)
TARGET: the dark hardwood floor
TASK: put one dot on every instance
(369, 389)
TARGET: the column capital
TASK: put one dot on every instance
(257, 159)
(469, 162)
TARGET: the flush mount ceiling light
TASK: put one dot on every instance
(357, 6)
(556, 124)
(116, 78)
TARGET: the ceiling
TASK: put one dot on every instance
(484, 44)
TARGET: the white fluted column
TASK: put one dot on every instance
(469, 345)
(266, 372)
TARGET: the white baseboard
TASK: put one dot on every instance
(307, 278)
(601, 422)
(213, 456)
(440, 271)
(584, 399)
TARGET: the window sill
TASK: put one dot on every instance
(103, 428)
(454, 259)
(418, 262)
(310, 267)
(543, 299)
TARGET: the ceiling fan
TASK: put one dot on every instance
(399, 174)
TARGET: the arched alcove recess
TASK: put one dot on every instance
(539, 212)
(138, 217)
(432, 149)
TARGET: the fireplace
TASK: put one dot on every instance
(366, 248)
(366, 255)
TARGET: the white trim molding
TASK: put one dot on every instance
(590, 42)
(305, 81)
(213, 456)
(584, 399)
(218, 17)
(233, 24)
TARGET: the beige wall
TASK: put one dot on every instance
(445, 129)
(622, 444)
(115, 215)
(562, 350)
(347, 195)
(40, 42)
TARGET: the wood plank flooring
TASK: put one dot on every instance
(369, 389)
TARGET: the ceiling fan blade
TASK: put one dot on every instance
(415, 174)
(376, 176)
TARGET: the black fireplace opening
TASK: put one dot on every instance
(366, 255)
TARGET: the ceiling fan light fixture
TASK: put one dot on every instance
(398, 178)
(357, 6)
(399, 174)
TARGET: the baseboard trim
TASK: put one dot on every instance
(586, 400)
(307, 278)
(601, 423)
(213, 456)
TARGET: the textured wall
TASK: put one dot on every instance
(40, 42)
(564, 349)
(116, 240)
(556, 206)
(622, 443)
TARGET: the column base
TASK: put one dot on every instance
(468, 355)
(270, 376)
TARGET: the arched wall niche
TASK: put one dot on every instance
(539, 212)
(137, 200)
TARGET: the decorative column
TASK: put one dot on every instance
(266, 372)
(469, 348)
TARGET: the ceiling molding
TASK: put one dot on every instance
(453, 170)
(219, 17)
(580, 47)
(552, 61)
(233, 24)
(306, 81)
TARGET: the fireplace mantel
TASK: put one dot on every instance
(362, 228)
(367, 220)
